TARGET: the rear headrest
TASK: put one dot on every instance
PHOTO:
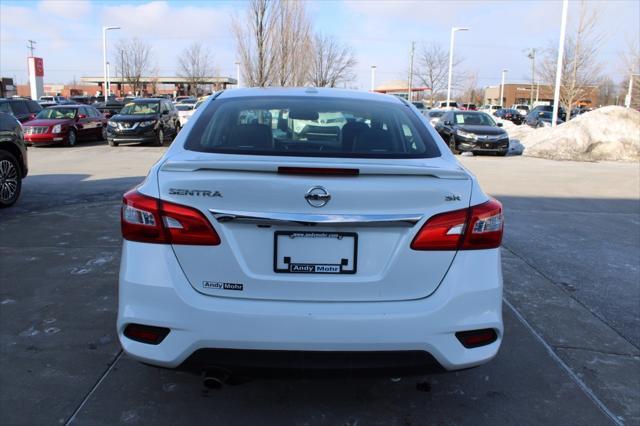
(374, 139)
(349, 133)
(250, 136)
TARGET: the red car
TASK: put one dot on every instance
(65, 124)
(469, 107)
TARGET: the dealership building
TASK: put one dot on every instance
(92, 86)
(522, 93)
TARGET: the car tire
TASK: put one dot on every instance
(113, 143)
(10, 179)
(72, 138)
(178, 128)
(160, 137)
(452, 145)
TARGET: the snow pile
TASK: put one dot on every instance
(608, 133)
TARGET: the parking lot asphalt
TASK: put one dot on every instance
(572, 291)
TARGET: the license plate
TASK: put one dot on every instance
(487, 145)
(304, 252)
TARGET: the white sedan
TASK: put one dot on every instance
(185, 111)
(252, 246)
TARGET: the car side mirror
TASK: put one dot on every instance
(447, 123)
(499, 124)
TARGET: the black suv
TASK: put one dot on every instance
(20, 108)
(144, 120)
(13, 159)
(472, 131)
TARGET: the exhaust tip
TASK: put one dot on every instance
(212, 383)
(215, 379)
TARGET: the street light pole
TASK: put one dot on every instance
(627, 98)
(409, 94)
(104, 57)
(453, 32)
(237, 75)
(556, 95)
(108, 81)
(504, 72)
(373, 77)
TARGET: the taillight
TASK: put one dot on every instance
(149, 220)
(485, 226)
(478, 227)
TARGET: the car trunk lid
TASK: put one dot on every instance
(274, 238)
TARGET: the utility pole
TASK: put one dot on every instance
(532, 56)
(409, 97)
(31, 46)
(556, 95)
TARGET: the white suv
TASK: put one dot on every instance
(258, 243)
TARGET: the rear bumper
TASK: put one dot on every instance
(154, 291)
(274, 363)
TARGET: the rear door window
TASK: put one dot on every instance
(321, 127)
(19, 108)
(33, 106)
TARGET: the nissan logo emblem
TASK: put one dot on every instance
(317, 196)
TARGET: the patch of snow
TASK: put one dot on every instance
(610, 133)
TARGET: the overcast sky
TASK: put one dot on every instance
(68, 33)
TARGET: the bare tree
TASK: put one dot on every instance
(607, 90)
(471, 93)
(630, 67)
(433, 69)
(332, 63)
(294, 43)
(254, 33)
(133, 60)
(195, 65)
(580, 69)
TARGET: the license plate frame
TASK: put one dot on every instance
(312, 268)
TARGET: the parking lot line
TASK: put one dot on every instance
(93, 389)
(564, 366)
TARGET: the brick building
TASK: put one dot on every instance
(520, 93)
(91, 86)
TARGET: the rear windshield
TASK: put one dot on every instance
(183, 107)
(319, 127)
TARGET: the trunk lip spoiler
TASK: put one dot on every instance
(272, 167)
(309, 219)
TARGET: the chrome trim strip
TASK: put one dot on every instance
(278, 218)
